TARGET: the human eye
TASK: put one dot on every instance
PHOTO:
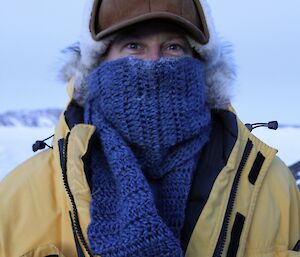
(176, 48)
(132, 46)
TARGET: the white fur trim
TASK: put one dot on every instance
(82, 57)
(220, 70)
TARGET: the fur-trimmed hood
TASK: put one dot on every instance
(82, 57)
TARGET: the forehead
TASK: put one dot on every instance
(152, 27)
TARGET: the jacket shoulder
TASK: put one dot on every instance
(277, 211)
(280, 175)
(34, 168)
(30, 199)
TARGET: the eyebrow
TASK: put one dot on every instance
(126, 36)
(131, 35)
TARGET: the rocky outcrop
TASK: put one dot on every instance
(35, 118)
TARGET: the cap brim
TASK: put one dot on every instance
(190, 28)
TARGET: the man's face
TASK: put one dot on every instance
(150, 41)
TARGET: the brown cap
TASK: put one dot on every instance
(109, 16)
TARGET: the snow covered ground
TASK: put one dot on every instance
(16, 143)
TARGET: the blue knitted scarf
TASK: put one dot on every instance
(152, 121)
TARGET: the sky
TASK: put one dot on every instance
(265, 36)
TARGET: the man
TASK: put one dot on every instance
(149, 158)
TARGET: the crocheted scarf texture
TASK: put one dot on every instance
(151, 121)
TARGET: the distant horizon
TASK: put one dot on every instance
(57, 110)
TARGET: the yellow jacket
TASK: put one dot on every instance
(253, 208)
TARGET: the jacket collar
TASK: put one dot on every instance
(71, 120)
(71, 125)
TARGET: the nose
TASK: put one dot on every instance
(153, 53)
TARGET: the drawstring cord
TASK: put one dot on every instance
(41, 144)
(269, 125)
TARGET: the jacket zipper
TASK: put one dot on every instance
(77, 226)
(222, 237)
